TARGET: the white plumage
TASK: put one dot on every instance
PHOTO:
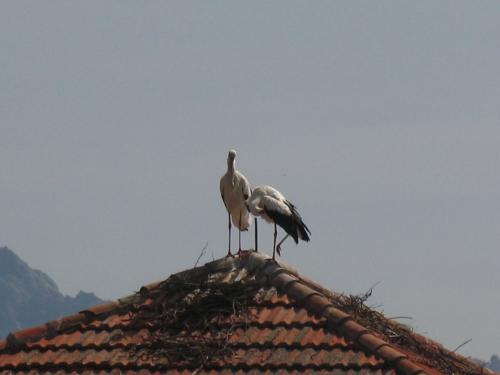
(235, 190)
(273, 207)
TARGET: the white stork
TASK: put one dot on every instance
(235, 190)
(273, 207)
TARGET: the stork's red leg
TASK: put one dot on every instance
(239, 235)
(274, 244)
(256, 238)
(278, 247)
(229, 227)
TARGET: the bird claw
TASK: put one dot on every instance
(243, 253)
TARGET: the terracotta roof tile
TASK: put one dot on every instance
(287, 324)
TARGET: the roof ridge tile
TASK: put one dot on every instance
(17, 339)
(296, 288)
(318, 303)
(339, 317)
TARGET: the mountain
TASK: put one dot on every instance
(492, 364)
(29, 297)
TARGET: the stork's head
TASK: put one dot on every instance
(231, 155)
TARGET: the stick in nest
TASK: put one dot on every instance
(195, 326)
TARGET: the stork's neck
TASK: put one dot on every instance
(230, 166)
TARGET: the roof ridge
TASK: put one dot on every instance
(287, 280)
(17, 339)
(316, 299)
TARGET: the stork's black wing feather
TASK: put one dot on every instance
(304, 230)
(285, 221)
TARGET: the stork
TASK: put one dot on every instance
(273, 207)
(235, 190)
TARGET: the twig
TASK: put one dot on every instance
(368, 294)
(198, 369)
(400, 317)
(189, 322)
(462, 344)
(201, 254)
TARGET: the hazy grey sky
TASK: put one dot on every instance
(380, 120)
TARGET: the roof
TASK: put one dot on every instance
(246, 314)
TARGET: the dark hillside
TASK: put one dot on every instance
(30, 297)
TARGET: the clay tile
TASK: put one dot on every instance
(282, 281)
(390, 354)
(13, 342)
(371, 342)
(19, 338)
(299, 292)
(409, 368)
(352, 329)
(276, 272)
(219, 265)
(33, 332)
(126, 301)
(317, 303)
(270, 267)
(335, 316)
(52, 327)
(102, 308)
(149, 287)
(255, 261)
(71, 320)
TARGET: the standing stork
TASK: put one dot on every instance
(273, 207)
(235, 190)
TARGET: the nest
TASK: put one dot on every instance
(434, 355)
(193, 321)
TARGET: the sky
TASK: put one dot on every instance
(379, 120)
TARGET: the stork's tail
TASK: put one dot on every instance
(302, 229)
